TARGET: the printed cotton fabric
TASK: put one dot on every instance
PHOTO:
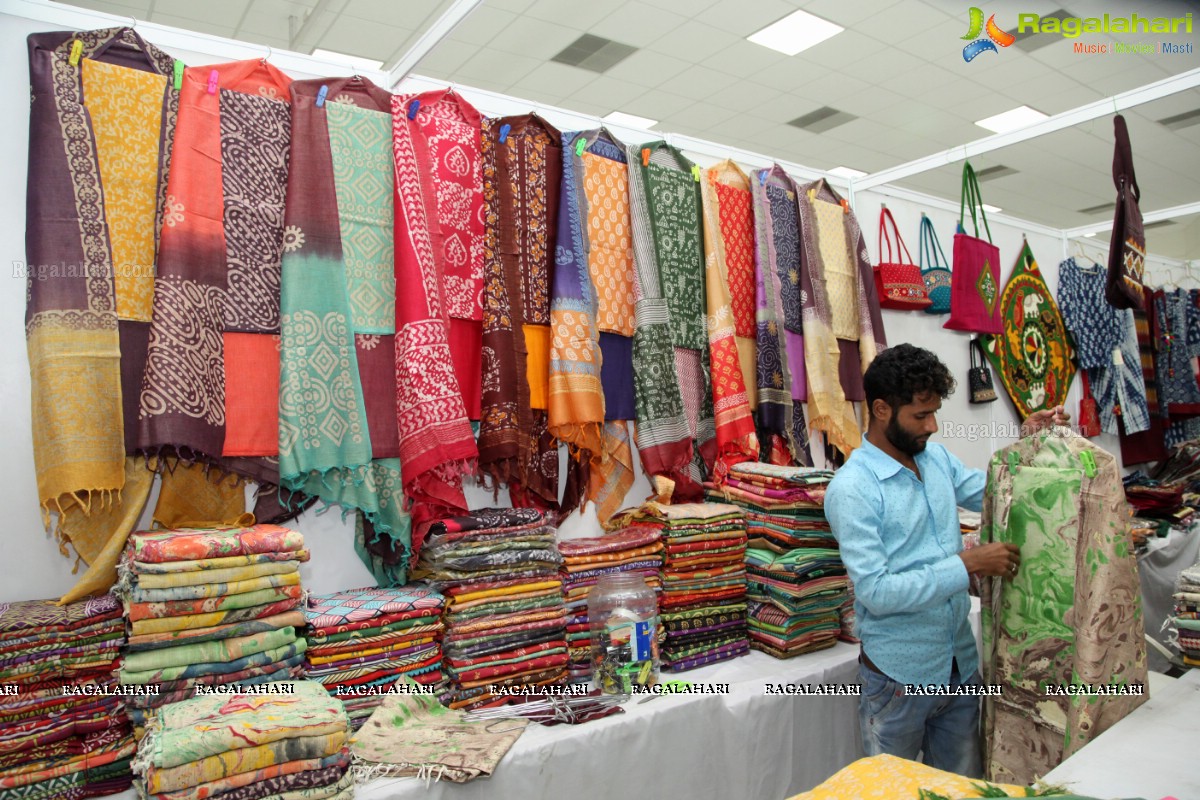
(1073, 612)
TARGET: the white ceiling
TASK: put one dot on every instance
(898, 67)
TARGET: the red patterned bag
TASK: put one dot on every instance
(975, 287)
(1089, 414)
(898, 284)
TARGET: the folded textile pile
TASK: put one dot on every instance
(288, 739)
(703, 602)
(1157, 499)
(63, 734)
(637, 549)
(1187, 615)
(505, 619)
(363, 641)
(210, 606)
(797, 584)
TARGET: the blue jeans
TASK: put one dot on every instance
(944, 727)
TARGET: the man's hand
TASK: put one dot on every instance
(997, 559)
(1044, 418)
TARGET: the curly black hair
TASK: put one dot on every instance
(900, 373)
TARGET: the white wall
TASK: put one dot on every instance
(33, 567)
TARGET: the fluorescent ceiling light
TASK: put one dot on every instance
(1012, 120)
(991, 209)
(349, 60)
(630, 120)
(847, 172)
(1088, 235)
(796, 32)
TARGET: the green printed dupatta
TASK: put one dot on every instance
(337, 410)
(1073, 612)
(676, 436)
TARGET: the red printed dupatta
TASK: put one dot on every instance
(437, 445)
(728, 250)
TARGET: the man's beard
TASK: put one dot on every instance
(902, 440)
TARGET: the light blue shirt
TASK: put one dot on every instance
(900, 539)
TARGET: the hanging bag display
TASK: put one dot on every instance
(979, 377)
(937, 274)
(975, 292)
(1127, 249)
(898, 282)
(1089, 414)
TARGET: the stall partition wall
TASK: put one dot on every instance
(32, 566)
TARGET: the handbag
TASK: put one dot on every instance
(937, 274)
(1125, 286)
(979, 377)
(975, 291)
(1089, 414)
(897, 283)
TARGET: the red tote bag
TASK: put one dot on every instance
(898, 282)
(975, 283)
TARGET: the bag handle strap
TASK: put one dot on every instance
(973, 345)
(930, 244)
(972, 197)
(1087, 385)
(885, 216)
(1123, 158)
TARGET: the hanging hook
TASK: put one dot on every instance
(267, 57)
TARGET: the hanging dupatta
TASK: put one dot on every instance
(592, 304)
(839, 306)
(433, 263)
(101, 126)
(675, 432)
(216, 300)
(337, 300)
(522, 170)
(728, 245)
(782, 385)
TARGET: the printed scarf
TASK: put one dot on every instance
(522, 169)
(728, 243)
(437, 179)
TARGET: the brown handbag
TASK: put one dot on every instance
(1125, 285)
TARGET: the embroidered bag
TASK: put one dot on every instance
(975, 292)
(1127, 249)
(1089, 414)
(898, 283)
(937, 275)
(979, 377)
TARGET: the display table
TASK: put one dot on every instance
(745, 744)
(1151, 753)
(1158, 570)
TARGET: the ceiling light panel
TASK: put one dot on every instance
(795, 33)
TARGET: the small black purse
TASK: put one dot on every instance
(979, 377)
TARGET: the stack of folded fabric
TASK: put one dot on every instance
(362, 641)
(289, 739)
(703, 602)
(210, 607)
(637, 549)
(1187, 615)
(505, 619)
(63, 732)
(797, 583)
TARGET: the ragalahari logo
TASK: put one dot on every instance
(995, 36)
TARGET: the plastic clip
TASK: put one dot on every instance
(322, 93)
(696, 173)
(645, 156)
(212, 81)
(1012, 461)
(504, 129)
(76, 52)
(580, 146)
(412, 109)
(1089, 463)
(178, 74)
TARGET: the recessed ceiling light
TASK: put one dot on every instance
(630, 120)
(796, 32)
(348, 60)
(847, 172)
(1018, 117)
(991, 209)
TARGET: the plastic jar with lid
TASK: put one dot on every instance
(623, 617)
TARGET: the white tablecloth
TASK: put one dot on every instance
(745, 744)
(1151, 753)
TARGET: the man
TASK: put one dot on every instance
(892, 508)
